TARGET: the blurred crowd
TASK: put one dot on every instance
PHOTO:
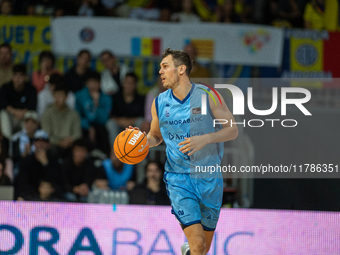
(57, 131)
(311, 14)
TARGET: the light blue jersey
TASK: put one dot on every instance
(179, 119)
(194, 198)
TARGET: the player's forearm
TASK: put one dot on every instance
(223, 135)
(153, 139)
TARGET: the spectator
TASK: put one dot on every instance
(59, 11)
(45, 97)
(16, 98)
(146, 14)
(5, 63)
(285, 13)
(314, 15)
(127, 109)
(44, 7)
(197, 70)
(245, 9)
(78, 173)
(41, 77)
(22, 141)
(90, 8)
(61, 123)
(165, 13)
(152, 191)
(4, 147)
(94, 109)
(4, 179)
(4, 156)
(46, 192)
(109, 6)
(206, 9)
(113, 74)
(6, 7)
(152, 94)
(226, 13)
(76, 76)
(188, 13)
(30, 9)
(40, 165)
(119, 175)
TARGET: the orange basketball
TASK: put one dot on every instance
(131, 146)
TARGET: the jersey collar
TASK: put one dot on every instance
(187, 96)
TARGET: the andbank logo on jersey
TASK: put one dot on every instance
(182, 136)
(238, 105)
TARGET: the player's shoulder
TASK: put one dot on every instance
(164, 94)
(200, 86)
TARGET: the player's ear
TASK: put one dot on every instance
(182, 69)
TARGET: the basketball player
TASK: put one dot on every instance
(195, 202)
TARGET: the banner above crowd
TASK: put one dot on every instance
(309, 54)
(222, 43)
(28, 36)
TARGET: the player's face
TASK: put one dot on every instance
(169, 73)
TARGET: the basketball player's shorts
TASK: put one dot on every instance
(194, 200)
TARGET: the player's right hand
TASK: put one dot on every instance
(135, 128)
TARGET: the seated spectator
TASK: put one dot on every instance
(119, 175)
(46, 192)
(45, 97)
(112, 76)
(41, 77)
(59, 11)
(314, 15)
(101, 182)
(188, 13)
(4, 156)
(90, 8)
(152, 191)
(206, 9)
(150, 96)
(285, 13)
(197, 70)
(6, 65)
(165, 13)
(33, 168)
(76, 76)
(146, 13)
(127, 108)
(245, 10)
(94, 109)
(61, 123)
(78, 173)
(16, 98)
(4, 179)
(30, 9)
(226, 13)
(44, 7)
(22, 141)
(6, 7)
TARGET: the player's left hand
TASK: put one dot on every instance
(193, 144)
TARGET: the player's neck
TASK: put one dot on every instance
(183, 89)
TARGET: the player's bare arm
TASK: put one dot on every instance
(227, 132)
(154, 136)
